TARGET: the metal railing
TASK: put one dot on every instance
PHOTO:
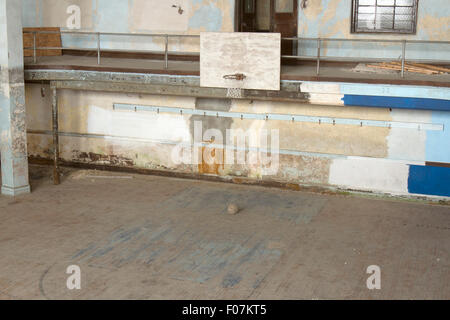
(296, 40)
(99, 48)
(403, 46)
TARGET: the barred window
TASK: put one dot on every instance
(394, 16)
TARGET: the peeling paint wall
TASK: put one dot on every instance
(332, 19)
(346, 156)
(321, 18)
(134, 16)
(343, 155)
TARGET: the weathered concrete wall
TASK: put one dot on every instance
(347, 156)
(13, 130)
(343, 155)
(332, 19)
(134, 16)
(321, 18)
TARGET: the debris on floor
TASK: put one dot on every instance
(410, 67)
(363, 68)
(233, 209)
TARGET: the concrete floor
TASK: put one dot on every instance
(146, 237)
(344, 71)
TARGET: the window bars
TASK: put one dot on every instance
(384, 16)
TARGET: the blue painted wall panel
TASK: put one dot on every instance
(429, 180)
(438, 142)
(396, 102)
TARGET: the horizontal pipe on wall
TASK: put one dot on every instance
(283, 117)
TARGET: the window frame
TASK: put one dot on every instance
(354, 22)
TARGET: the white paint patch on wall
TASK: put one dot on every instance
(326, 99)
(374, 90)
(323, 93)
(4, 83)
(370, 174)
(320, 87)
(159, 16)
(407, 144)
(138, 125)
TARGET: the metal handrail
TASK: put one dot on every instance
(98, 38)
(318, 57)
(319, 42)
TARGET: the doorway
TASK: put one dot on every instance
(270, 16)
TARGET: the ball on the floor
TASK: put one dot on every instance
(232, 208)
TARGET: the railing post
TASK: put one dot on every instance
(166, 52)
(56, 177)
(34, 47)
(318, 56)
(403, 57)
(98, 48)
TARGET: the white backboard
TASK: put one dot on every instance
(255, 55)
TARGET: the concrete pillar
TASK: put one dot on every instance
(13, 149)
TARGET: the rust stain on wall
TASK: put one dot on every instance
(212, 160)
(96, 158)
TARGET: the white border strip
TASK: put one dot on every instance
(282, 117)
